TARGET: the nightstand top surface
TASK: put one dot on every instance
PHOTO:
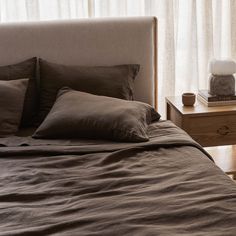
(199, 107)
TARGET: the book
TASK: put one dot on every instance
(213, 98)
(216, 103)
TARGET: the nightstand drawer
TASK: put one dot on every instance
(213, 130)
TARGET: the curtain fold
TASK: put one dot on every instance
(233, 27)
(190, 32)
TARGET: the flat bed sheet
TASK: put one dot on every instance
(166, 186)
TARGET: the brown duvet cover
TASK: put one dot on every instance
(166, 186)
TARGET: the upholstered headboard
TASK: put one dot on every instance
(103, 41)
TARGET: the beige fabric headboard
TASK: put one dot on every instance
(101, 41)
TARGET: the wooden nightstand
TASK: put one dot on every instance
(209, 126)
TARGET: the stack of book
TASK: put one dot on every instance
(212, 100)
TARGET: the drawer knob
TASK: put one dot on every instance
(224, 130)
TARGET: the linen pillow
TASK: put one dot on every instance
(78, 114)
(112, 81)
(11, 105)
(25, 69)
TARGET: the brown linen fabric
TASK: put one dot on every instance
(165, 186)
(11, 105)
(112, 81)
(25, 69)
(77, 114)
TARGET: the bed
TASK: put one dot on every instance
(167, 185)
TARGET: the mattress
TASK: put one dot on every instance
(166, 186)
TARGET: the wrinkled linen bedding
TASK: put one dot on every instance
(167, 186)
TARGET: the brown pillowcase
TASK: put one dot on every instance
(25, 69)
(82, 115)
(112, 81)
(11, 105)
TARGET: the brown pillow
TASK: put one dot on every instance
(11, 105)
(82, 115)
(25, 69)
(112, 81)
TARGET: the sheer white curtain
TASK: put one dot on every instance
(190, 32)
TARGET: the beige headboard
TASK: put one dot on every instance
(101, 41)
